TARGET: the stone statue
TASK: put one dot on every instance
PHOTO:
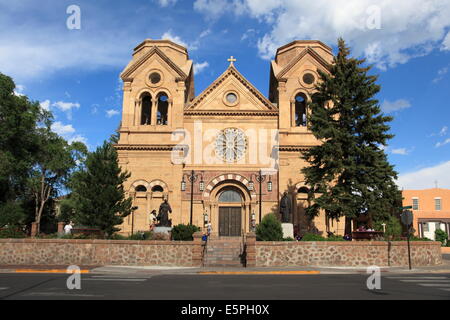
(285, 208)
(163, 214)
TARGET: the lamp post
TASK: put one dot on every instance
(260, 179)
(192, 178)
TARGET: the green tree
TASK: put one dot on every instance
(54, 163)
(349, 173)
(441, 236)
(18, 146)
(97, 191)
(269, 229)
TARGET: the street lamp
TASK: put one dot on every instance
(260, 179)
(192, 178)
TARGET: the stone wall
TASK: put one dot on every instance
(100, 252)
(352, 254)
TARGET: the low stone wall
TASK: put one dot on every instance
(445, 250)
(100, 252)
(352, 254)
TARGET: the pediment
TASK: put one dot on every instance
(135, 67)
(231, 81)
(307, 56)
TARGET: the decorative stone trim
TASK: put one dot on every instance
(138, 147)
(229, 177)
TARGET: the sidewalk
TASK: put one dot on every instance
(160, 270)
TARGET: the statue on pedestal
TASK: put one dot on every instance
(163, 214)
(286, 208)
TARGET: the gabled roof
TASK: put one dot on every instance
(125, 75)
(232, 71)
(294, 61)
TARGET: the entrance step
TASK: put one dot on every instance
(223, 252)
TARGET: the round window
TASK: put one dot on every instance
(309, 78)
(231, 98)
(155, 78)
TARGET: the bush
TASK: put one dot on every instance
(393, 226)
(184, 232)
(269, 229)
(11, 233)
(288, 239)
(441, 236)
(313, 237)
(335, 238)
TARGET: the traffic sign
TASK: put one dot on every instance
(407, 217)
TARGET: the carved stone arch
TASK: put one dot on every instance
(302, 91)
(160, 183)
(163, 90)
(230, 178)
(138, 183)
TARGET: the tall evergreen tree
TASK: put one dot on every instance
(98, 193)
(349, 174)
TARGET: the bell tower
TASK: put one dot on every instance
(158, 82)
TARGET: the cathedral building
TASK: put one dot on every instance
(227, 156)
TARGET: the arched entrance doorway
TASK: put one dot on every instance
(230, 212)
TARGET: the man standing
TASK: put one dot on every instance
(68, 228)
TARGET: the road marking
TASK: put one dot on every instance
(116, 279)
(260, 272)
(430, 278)
(427, 280)
(47, 271)
(4, 288)
(434, 285)
(62, 294)
(445, 289)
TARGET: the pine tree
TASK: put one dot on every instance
(349, 174)
(98, 192)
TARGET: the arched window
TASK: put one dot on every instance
(157, 189)
(300, 110)
(146, 114)
(303, 190)
(141, 188)
(230, 196)
(163, 110)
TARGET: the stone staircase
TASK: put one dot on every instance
(223, 252)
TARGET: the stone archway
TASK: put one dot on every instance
(223, 208)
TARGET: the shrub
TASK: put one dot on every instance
(441, 236)
(269, 229)
(313, 237)
(288, 239)
(393, 226)
(11, 233)
(117, 236)
(184, 232)
(335, 238)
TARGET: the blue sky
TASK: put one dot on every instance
(75, 73)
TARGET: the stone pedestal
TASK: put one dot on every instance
(164, 230)
(288, 230)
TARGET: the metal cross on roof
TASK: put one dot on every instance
(231, 60)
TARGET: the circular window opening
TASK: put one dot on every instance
(155, 78)
(309, 78)
(231, 98)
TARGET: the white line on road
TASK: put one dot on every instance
(434, 285)
(61, 294)
(117, 280)
(4, 288)
(430, 278)
(427, 280)
(445, 289)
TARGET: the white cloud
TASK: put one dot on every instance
(443, 143)
(169, 36)
(446, 42)
(400, 151)
(66, 106)
(408, 28)
(205, 33)
(443, 131)
(426, 177)
(166, 3)
(78, 138)
(61, 129)
(391, 106)
(199, 67)
(45, 105)
(19, 90)
(441, 73)
(110, 113)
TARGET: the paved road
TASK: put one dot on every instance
(224, 287)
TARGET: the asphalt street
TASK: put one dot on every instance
(14, 286)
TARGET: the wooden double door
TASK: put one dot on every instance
(230, 221)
